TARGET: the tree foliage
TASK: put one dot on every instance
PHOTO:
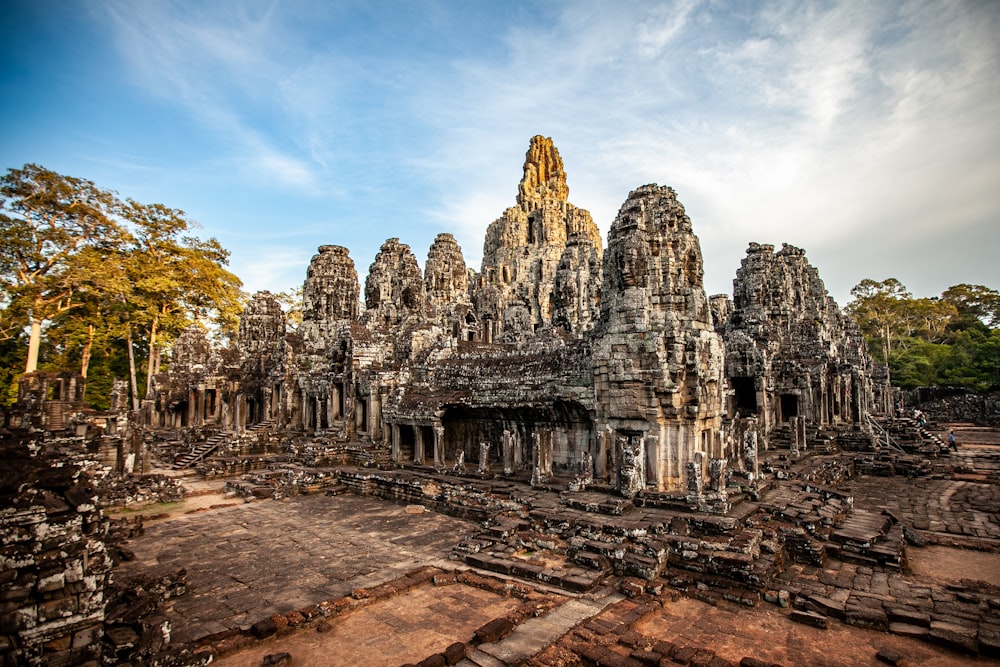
(97, 280)
(951, 340)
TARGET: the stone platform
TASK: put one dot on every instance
(248, 561)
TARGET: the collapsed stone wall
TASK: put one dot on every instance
(54, 564)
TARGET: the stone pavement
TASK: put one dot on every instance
(536, 633)
(941, 508)
(249, 561)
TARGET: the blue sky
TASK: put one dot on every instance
(867, 133)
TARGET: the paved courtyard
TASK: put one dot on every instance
(248, 561)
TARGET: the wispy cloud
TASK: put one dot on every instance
(821, 124)
(212, 62)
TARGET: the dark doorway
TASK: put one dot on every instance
(745, 396)
(789, 406)
(407, 443)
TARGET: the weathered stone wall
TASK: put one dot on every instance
(789, 349)
(657, 359)
(54, 565)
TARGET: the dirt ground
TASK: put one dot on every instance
(767, 634)
(407, 628)
(950, 564)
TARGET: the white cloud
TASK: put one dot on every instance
(818, 124)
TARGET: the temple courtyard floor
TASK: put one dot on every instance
(246, 562)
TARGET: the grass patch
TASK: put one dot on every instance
(156, 508)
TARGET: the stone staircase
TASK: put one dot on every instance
(199, 452)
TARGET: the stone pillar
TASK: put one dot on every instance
(651, 444)
(484, 458)
(717, 474)
(631, 476)
(418, 444)
(750, 463)
(695, 484)
(793, 443)
(508, 453)
(438, 446)
(601, 469)
(545, 455)
(587, 470)
(536, 465)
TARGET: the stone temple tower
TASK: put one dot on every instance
(658, 361)
(329, 296)
(521, 254)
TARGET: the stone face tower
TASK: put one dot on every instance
(523, 247)
(329, 295)
(446, 284)
(394, 289)
(658, 360)
(790, 352)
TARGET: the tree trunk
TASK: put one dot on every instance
(87, 347)
(153, 356)
(34, 342)
(131, 369)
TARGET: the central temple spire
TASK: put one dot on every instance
(544, 176)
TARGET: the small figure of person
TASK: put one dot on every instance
(951, 440)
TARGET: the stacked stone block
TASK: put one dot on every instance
(54, 565)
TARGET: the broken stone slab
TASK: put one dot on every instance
(890, 657)
(809, 618)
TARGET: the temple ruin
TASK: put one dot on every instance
(554, 353)
(576, 442)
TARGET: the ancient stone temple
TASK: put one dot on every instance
(514, 291)
(556, 358)
(790, 352)
(658, 361)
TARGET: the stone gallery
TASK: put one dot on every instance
(558, 355)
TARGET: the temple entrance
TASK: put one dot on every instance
(789, 407)
(563, 429)
(745, 396)
(407, 443)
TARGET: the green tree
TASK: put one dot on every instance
(174, 279)
(974, 303)
(47, 220)
(880, 311)
(931, 341)
(291, 303)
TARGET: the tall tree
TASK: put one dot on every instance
(46, 221)
(879, 310)
(175, 279)
(974, 302)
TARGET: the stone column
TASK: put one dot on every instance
(508, 453)
(750, 454)
(438, 446)
(651, 444)
(717, 474)
(418, 444)
(484, 458)
(695, 484)
(394, 444)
